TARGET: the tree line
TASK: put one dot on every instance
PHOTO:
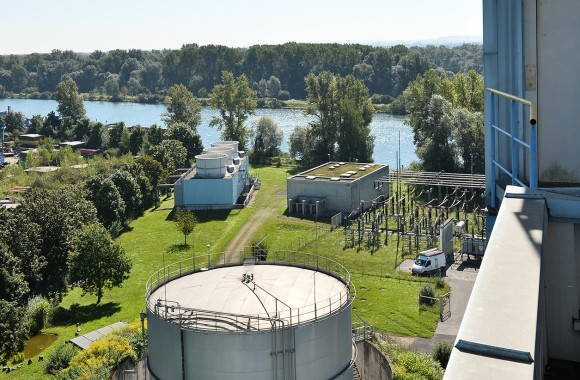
(275, 71)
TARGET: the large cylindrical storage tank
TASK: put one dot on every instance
(233, 144)
(259, 322)
(211, 165)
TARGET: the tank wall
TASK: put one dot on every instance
(231, 356)
(321, 351)
(211, 165)
(227, 150)
(324, 349)
(164, 348)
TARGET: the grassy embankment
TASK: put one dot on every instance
(385, 298)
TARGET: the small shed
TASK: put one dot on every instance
(84, 341)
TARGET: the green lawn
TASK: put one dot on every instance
(385, 298)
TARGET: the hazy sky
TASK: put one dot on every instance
(84, 26)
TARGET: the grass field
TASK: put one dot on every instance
(385, 298)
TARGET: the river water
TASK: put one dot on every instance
(391, 134)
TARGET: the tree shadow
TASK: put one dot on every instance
(205, 215)
(83, 314)
(178, 248)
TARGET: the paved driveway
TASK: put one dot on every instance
(461, 276)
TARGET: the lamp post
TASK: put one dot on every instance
(208, 261)
(3, 126)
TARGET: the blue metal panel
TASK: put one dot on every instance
(504, 71)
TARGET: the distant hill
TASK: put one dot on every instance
(448, 41)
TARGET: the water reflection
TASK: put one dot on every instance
(384, 127)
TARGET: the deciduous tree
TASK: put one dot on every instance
(235, 101)
(52, 218)
(267, 138)
(185, 222)
(70, 104)
(343, 112)
(103, 193)
(171, 154)
(182, 107)
(189, 137)
(97, 262)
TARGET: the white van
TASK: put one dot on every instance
(429, 261)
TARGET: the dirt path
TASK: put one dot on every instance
(245, 234)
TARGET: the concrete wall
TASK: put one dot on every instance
(558, 56)
(562, 298)
(343, 195)
(372, 364)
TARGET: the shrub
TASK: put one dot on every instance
(427, 295)
(98, 361)
(275, 103)
(18, 358)
(38, 312)
(60, 358)
(439, 283)
(135, 336)
(284, 95)
(442, 352)
(410, 365)
(381, 99)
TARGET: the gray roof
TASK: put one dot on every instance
(84, 341)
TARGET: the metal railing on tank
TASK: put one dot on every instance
(284, 316)
(515, 142)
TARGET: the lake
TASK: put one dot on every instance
(389, 130)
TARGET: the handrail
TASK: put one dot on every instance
(515, 142)
(532, 105)
(196, 319)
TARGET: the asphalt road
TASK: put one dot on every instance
(461, 276)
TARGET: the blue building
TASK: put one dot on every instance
(216, 181)
(523, 318)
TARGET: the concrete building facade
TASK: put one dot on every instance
(335, 187)
(523, 318)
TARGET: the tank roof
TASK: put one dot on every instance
(282, 292)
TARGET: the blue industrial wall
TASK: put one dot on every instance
(212, 192)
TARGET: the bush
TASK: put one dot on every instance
(60, 358)
(410, 365)
(38, 312)
(275, 103)
(99, 360)
(18, 358)
(427, 296)
(397, 107)
(135, 336)
(284, 95)
(381, 99)
(442, 352)
(439, 283)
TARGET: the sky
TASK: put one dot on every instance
(29, 26)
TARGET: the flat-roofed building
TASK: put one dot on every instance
(335, 187)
